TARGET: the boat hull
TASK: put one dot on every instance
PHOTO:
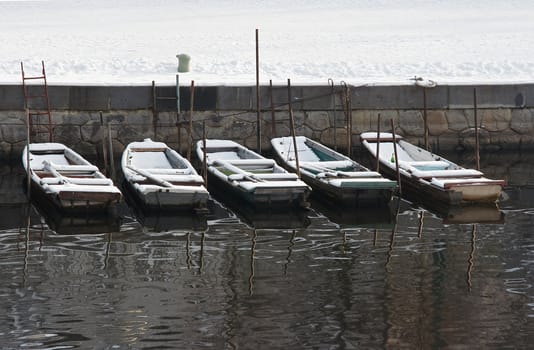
(170, 199)
(351, 196)
(273, 197)
(71, 201)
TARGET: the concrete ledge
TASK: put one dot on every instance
(92, 98)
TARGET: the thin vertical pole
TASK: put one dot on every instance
(104, 153)
(111, 159)
(425, 118)
(29, 172)
(332, 92)
(273, 118)
(378, 144)
(204, 154)
(178, 111)
(477, 140)
(190, 146)
(258, 119)
(396, 157)
(292, 127)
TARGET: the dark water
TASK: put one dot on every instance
(325, 279)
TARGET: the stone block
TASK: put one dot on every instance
(457, 120)
(437, 123)
(411, 123)
(334, 138)
(13, 130)
(317, 121)
(70, 135)
(522, 121)
(495, 119)
(92, 132)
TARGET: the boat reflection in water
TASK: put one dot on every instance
(378, 217)
(76, 223)
(285, 217)
(485, 213)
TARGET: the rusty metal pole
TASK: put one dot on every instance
(189, 148)
(273, 117)
(477, 140)
(292, 127)
(378, 144)
(332, 92)
(258, 117)
(425, 118)
(396, 156)
(204, 155)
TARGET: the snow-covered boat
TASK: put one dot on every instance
(161, 178)
(426, 174)
(66, 179)
(247, 175)
(333, 174)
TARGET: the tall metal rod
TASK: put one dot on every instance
(292, 127)
(348, 117)
(104, 153)
(111, 158)
(154, 110)
(334, 119)
(258, 119)
(396, 157)
(477, 140)
(178, 111)
(191, 107)
(29, 171)
(273, 117)
(378, 144)
(204, 157)
(425, 118)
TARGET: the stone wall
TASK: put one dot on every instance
(83, 115)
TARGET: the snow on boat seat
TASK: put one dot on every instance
(76, 181)
(455, 173)
(182, 178)
(252, 162)
(165, 171)
(51, 166)
(331, 164)
(263, 177)
(425, 165)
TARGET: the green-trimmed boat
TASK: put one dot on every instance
(333, 174)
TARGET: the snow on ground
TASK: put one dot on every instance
(309, 41)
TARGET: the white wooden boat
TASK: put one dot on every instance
(333, 174)
(66, 179)
(426, 174)
(161, 178)
(244, 174)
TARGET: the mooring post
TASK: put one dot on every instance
(292, 126)
(477, 140)
(29, 172)
(104, 153)
(396, 156)
(273, 119)
(204, 155)
(425, 118)
(111, 158)
(333, 94)
(258, 118)
(378, 144)
(189, 148)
